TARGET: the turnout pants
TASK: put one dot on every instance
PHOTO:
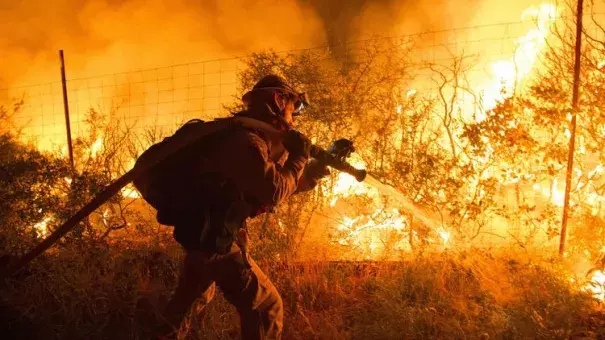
(257, 301)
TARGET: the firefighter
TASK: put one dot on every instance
(250, 174)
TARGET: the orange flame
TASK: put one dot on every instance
(596, 285)
(41, 228)
(508, 73)
(361, 228)
(96, 147)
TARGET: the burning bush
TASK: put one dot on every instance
(463, 166)
(39, 190)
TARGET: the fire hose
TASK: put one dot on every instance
(116, 186)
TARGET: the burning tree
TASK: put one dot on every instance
(530, 134)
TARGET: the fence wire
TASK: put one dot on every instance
(168, 95)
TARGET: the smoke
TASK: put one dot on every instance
(361, 19)
(107, 36)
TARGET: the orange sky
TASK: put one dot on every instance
(106, 36)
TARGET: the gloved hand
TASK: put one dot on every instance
(297, 144)
(316, 170)
(341, 149)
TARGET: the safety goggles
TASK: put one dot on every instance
(301, 103)
(301, 99)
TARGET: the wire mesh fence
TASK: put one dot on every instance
(168, 95)
(163, 96)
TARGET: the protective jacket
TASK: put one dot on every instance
(234, 167)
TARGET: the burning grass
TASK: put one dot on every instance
(106, 293)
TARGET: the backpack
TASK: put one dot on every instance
(172, 156)
(174, 180)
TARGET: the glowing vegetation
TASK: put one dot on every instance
(452, 235)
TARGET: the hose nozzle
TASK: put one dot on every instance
(332, 161)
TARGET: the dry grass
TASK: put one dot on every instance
(110, 294)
